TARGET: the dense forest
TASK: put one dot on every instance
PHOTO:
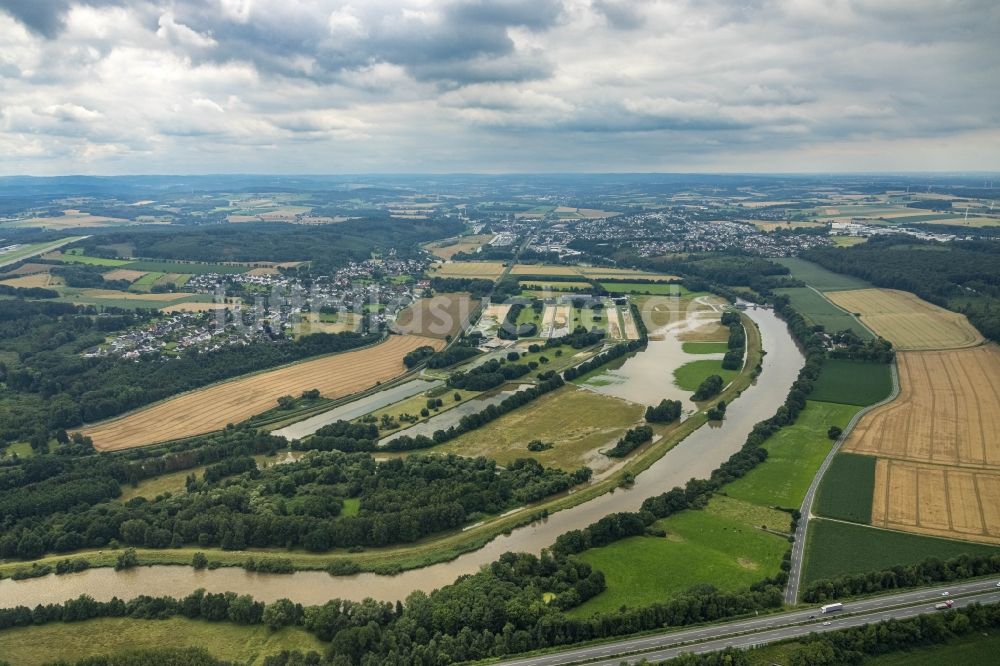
(962, 276)
(48, 385)
(61, 502)
(327, 246)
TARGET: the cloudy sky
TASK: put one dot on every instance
(324, 86)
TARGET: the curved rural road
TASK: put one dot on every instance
(799, 546)
(766, 628)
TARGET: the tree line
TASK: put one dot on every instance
(903, 576)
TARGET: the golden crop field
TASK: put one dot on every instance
(600, 273)
(437, 317)
(947, 411)
(194, 306)
(489, 270)
(211, 408)
(936, 499)
(938, 446)
(33, 280)
(123, 274)
(541, 269)
(131, 296)
(464, 244)
(908, 322)
(591, 272)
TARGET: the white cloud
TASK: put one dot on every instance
(180, 34)
(329, 85)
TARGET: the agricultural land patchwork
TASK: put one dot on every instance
(211, 408)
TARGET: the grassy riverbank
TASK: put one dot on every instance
(31, 646)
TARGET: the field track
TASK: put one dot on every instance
(908, 322)
(938, 446)
(211, 408)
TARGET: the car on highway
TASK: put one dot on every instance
(826, 624)
(945, 593)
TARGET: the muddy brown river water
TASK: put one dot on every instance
(695, 457)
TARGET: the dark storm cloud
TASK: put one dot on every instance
(454, 46)
(45, 17)
(621, 14)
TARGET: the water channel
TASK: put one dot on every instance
(696, 456)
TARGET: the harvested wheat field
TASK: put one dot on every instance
(908, 322)
(211, 408)
(948, 411)
(938, 500)
(601, 273)
(938, 446)
(33, 280)
(123, 274)
(437, 317)
(541, 269)
(448, 249)
(195, 306)
(488, 270)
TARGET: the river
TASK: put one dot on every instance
(699, 454)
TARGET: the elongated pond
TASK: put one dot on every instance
(695, 457)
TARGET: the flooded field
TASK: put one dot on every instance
(355, 409)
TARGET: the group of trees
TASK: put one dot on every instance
(456, 353)
(710, 387)
(489, 375)
(667, 411)
(478, 287)
(733, 360)
(597, 361)
(510, 329)
(630, 441)
(850, 346)
(27, 292)
(87, 276)
(579, 338)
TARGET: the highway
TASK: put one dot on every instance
(805, 511)
(767, 628)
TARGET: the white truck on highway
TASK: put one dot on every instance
(831, 608)
(944, 605)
